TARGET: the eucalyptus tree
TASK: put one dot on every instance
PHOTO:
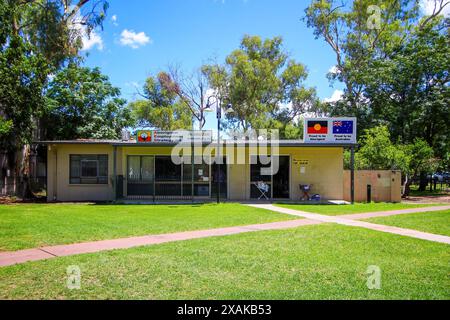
(265, 86)
(37, 37)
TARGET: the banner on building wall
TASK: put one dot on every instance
(330, 130)
(161, 136)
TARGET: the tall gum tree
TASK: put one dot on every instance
(37, 37)
(265, 86)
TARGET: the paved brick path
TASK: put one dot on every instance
(350, 220)
(21, 256)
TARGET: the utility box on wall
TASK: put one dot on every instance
(385, 185)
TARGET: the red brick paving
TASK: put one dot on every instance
(14, 257)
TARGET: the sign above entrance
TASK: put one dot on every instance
(160, 136)
(330, 130)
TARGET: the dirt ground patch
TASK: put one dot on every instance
(427, 199)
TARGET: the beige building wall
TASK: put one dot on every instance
(59, 187)
(385, 185)
(320, 166)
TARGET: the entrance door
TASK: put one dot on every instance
(280, 180)
(277, 184)
(140, 175)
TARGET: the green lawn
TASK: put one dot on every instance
(34, 225)
(437, 222)
(441, 191)
(333, 210)
(312, 262)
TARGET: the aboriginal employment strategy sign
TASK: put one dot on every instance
(330, 130)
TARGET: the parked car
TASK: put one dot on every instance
(439, 176)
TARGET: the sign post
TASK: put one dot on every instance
(330, 130)
(340, 131)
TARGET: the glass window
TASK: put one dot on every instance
(255, 170)
(134, 167)
(147, 168)
(166, 170)
(88, 169)
(201, 171)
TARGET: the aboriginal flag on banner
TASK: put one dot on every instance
(144, 136)
(319, 127)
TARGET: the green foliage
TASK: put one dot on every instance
(260, 81)
(5, 126)
(23, 80)
(420, 157)
(82, 103)
(396, 73)
(36, 39)
(162, 107)
(377, 152)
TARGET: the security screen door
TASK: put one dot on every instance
(140, 175)
(278, 183)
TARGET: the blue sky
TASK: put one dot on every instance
(142, 37)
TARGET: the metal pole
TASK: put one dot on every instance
(192, 163)
(218, 151)
(352, 175)
(115, 172)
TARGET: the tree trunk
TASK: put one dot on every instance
(406, 187)
(21, 169)
(423, 181)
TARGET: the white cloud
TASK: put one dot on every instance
(428, 7)
(333, 70)
(133, 84)
(93, 40)
(114, 20)
(133, 39)
(336, 96)
(89, 41)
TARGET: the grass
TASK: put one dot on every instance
(333, 210)
(442, 190)
(34, 225)
(437, 222)
(312, 262)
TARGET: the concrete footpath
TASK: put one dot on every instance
(21, 256)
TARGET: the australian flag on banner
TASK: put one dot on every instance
(343, 127)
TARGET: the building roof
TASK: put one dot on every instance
(133, 143)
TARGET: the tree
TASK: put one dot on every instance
(192, 90)
(82, 103)
(377, 152)
(264, 86)
(394, 64)
(162, 107)
(36, 38)
(410, 91)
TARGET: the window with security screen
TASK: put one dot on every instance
(89, 169)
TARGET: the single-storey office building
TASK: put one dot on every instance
(108, 170)
(181, 165)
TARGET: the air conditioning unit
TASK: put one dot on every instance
(126, 135)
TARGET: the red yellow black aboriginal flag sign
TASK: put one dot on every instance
(317, 127)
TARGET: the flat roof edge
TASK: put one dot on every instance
(166, 144)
